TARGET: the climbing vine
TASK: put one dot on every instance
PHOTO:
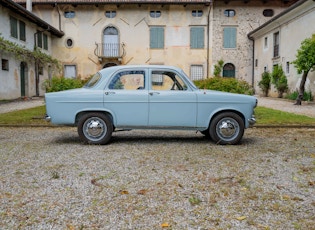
(24, 54)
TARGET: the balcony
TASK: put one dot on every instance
(109, 50)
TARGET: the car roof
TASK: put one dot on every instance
(122, 67)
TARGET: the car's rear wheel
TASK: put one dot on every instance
(227, 128)
(95, 128)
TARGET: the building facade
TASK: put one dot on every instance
(277, 42)
(191, 34)
(19, 77)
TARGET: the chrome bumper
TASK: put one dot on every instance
(252, 121)
(47, 118)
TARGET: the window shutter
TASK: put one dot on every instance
(22, 31)
(229, 40)
(197, 37)
(157, 37)
(45, 40)
(13, 25)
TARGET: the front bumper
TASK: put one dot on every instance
(252, 121)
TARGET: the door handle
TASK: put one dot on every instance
(152, 93)
(108, 93)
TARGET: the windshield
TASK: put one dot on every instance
(93, 81)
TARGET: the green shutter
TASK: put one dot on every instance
(156, 37)
(13, 27)
(39, 39)
(22, 31)
(45, 39)
(229, 40)
(197, 37)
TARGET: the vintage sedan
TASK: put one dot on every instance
(149, 97)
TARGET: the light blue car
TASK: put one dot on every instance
(149, 97)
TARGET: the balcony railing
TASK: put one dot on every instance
(109, 50)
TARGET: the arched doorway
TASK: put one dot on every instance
(23, 79)
(228, 70)
(111, 42)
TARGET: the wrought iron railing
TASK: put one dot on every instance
(109, 50)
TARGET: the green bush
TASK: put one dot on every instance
(265, 83)
(231, 85)
(307, 96)
(279, 80)
(60, 83)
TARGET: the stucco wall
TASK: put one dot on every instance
(293, 29)
(133, 23)
(10, 80)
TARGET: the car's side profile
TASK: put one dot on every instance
(149, 97)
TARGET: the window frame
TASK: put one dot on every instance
(197, 13)
(276, 44)
(198, 71)
(5, 64)
(230, 13)
(155, 13)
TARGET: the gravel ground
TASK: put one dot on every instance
(156, 180)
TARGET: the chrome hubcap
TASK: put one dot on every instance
(228, 128)
(94, 128)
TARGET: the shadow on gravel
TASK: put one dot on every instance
(139, 139)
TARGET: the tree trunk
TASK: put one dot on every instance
(301, 89)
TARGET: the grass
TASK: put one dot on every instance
(264, 116)
(33, 116)
(267, 116)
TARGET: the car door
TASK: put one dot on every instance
(126, 97)
(171, 102)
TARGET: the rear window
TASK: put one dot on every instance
(93, 81)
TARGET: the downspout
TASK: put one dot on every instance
(59, 16)
(208, 38)
(36, 67)
(253, 61)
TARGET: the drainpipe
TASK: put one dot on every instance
(36, 67)
(59, 16)
(253, 61)
(208, 38)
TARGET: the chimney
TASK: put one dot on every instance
(29, 5)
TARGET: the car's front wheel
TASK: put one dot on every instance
(227, 128)
(95, 128)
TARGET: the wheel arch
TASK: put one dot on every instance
(81, 113)
(227, 110)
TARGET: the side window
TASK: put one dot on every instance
(128, 80)
(165, 80)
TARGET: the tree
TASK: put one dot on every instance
(305, 62)
(279, 80)
(265, 83)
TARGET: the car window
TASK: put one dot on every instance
(93, 81)
(128, 80)
(166, 80)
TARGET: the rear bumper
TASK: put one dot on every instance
(47, 118)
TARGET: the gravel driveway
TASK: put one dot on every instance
(156, 180)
